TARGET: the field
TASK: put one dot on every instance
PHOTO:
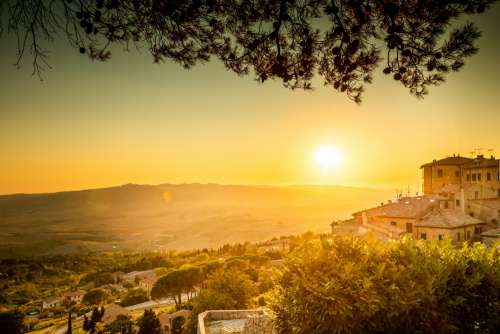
(187, 216)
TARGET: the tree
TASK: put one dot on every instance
(86, 323)
(89, 325)
(70, 326)
(177, 325)
(122, 324)
(94, 297)
(225, 290)
(177, 282)
(274, 39)
(351, 285)
(149, 323)
(135, 296)
(12, 322)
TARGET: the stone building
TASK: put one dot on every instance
(461, 201)
(51, 302)
(478, 177)
(73, 296)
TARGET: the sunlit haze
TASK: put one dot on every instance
(90, 124)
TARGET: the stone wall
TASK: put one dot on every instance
(261, 324)
(254, 318)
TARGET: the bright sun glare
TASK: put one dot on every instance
(327, 157)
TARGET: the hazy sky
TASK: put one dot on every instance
(92, 124)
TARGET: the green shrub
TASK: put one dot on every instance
(353, 285)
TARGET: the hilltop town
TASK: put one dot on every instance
(460, 201)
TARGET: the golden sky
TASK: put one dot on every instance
(91, 125)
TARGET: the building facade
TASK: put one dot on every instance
(461, 201)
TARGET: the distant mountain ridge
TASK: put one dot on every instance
(173, 216)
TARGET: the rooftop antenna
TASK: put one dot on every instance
(491, 151)
(472, 153)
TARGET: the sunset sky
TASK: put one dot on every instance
(91, 124)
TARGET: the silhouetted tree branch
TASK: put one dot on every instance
(292, 40)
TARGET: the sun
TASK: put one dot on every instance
(327, 157)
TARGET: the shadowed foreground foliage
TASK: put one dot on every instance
(356, 286)
(342, 41)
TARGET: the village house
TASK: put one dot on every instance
(51, 302)
(491, 236)
(456, 170)
(111, 311)
(448, 223)
(461, 201)
(73, 296)
(275, 245)
(146, 279)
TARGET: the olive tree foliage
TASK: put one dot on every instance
(342, 41)
(351, 285)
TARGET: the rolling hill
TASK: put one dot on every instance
(169, 216)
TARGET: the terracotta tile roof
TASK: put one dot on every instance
(111, 311)
(447, 218)
(448, 161)
(481, 162)
(52, 299)
(407, 207)
(495, 233)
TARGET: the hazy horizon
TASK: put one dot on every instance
(91, 124)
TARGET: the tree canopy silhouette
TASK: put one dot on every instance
(343, 41)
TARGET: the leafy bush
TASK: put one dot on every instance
(122, 324)
(225, 290)
(135, 296)
(149, 323)
(352, 285)
(95, 297)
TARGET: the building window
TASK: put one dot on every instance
(409, 227)
(458, 236)
(457, 202)
(394, 224)
(440, 173)
(473, 177)
(479, 176)
(446, 204)
(423, 236)
(440, 237)
(457, 173)
(468, 177)
(488, 176)
(471, 214)
(476, 194)
(498, 193)
(477, 230)
(467, 235)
